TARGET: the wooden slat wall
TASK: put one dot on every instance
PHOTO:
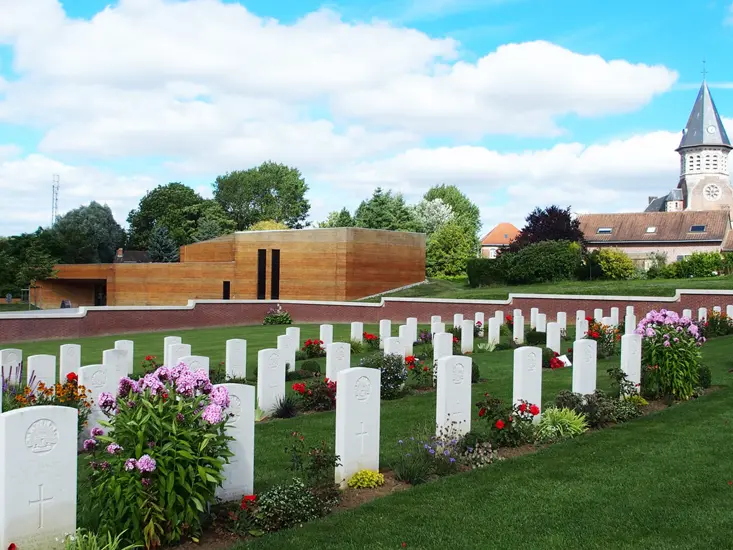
(218, 250)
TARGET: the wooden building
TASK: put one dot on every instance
(307, 264)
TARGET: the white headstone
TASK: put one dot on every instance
(435, 319)
(541, 322)
(494, 333)
(326, 334)
(608, 321)
(631, 357)
(357, 421)
(69, 360)
(115, 359)
(129, 347)
(598, 314)
(42, 368)
(442, 346)
(196, 362)
(286, 346)
(393, 346)
(235, 363)
(687, 313)
(562, 320)
(630, 310)
(516, 313)
(457, 320)
(38, 475)
(294, 333)
(499, 316)
(533, 312)
(169, 341)
(702, 314)
(729, 311)
(96, 379)
(436, 328)
(581, 329)
(518, 329)
(579, 316)
(467, 336)
(553, 337)
(239, 473)
(11, 359)
(584, 366)
(270, 379)
(453, 396)
(717, 309)
(614, 316)
(528, 376)
(412, 329)
(338, 358)
(385, 331)
(629, 323)
(478, 317)
(357, 331)
(176, 351)
(405, 337)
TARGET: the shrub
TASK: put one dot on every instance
(475, 373)
(286, 407)
(287, 505)
(420, 371)
(551, 359)
(598, 408)
(300, 355)
(507, 328)
(299, 374)
(318, 395)
(718, 324)
(425, 337)
(544, 261)
(315, 465)
(615, 264)
(412, 464)
(485, 271)
(394, 373)
(165, 453)
(621, 386)
(314, 348)
(366, 479)
(371, 341)
(150, 364)
(700, 264)
(704, 376)
(668, 271)
(556, 424)
(508, 426)
(658, 261)
(311, 366)
(277, 316)
(637, 400)
(670, 354)
(357, 347)
(85, 540)
(606, 337)
(534, 338)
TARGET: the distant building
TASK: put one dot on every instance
(498, 238)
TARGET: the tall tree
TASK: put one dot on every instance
(384, 210)
(165, 205)
(549, 224)
(88, 235)
(464, 211)
(448, 250)
(267, 225)
(35, 265)
(270, 191)
(430, 215)
(163, 249)
(206, 219)
(342, 218)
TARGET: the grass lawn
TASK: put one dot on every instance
(438, 288)
(7, 308)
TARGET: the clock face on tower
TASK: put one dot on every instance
(711, 192)
(711, 129)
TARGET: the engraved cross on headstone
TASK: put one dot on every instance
(362, 434)
(41, 501)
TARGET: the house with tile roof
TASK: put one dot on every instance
(498, 238)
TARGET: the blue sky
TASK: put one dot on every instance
(518, 102)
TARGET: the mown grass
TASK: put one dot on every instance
(437, 288)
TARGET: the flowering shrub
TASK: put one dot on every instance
(315, 466)
(425, 337)
(551, 359)
(277, 316)
(420, 371)
(599, 408)
(478, 329)
(509, 322)
(16, 394)
(150, 364)
(313, 348)
(366, 479)
(371, 341)
(394, 373)
(509, 426)
(607, 337)
(717, 324)
(670, 354)
(158, 467)
(318, 395)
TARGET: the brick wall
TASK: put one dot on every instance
(119, 320)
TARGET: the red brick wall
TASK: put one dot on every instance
(102, 321)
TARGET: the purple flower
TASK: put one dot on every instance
(145, 463)
(146, 482)
(650, 332)
(151, 382)
(180, 418)
(667, 344)
(90, 444)
(185, 384)
(212, 413)
(97, 431)
(151, 444)
(452, 460)
(220, 396)
(163, 374)
(104, 465)
(127, 386)
(114, 448)
(130, 464)
(106, 401)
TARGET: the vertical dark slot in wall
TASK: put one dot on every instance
(275, 276)
(261, 274)
(227, 290)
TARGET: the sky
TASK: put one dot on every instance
(519, 103)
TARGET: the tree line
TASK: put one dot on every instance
(270, 196)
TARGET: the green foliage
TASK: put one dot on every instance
(207, 220)
(431, 215)
(475, 373)
(449, 249)
(287, 505)
(88, 235)
(317, 395)
(556, 424)
(35, 264)
(163, 248)
(599, 408)
(534, 338)
(357, 347)
(542, 262)
(267, 225)
(366, 479)
(700, 264)
(85, 540)
(163, 461)
(717, 324)
(311, 366)
(384, 210)
(704, 376)
(727, 263)
(299, 374)
(412, 464)
(286, 407)
(615, 264)
(486, 271)
(549, 224)
(465, 212)
(342, 218)
(270, 191)
(509, 426)
(277, 316)
(393, 373)
(657, 261)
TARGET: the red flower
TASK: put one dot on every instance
(12, 546)
(534, 410)
(72, 377)
(425, 369)
(482, 412)
(478, 323)
(589, 319)
(148, 357)
(410, 359)
(570, 350)
(511, 419)
(299, 387)
(410, 367)
(500, 424)
(246, 499)
(522, 407)
(404, 545)
(509, 318)
(455, 340)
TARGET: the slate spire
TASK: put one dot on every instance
(704, 126)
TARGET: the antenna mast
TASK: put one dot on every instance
(55, 199)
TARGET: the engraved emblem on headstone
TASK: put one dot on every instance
(362, 388)
(41, 436)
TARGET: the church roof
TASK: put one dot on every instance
(704, 126)
(655, 227)
(658, 204)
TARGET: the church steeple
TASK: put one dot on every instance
(704, 127)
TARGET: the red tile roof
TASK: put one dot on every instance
(501, 235)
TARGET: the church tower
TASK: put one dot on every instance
(704, 175)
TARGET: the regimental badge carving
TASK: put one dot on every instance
(13, 359)
(362, 388)
(532, 362)
(458, 373)
(235, 408)
(274, 359)
(41, 436)
(588, 354)
(340, 355)
(99, 378)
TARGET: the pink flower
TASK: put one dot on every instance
(212, 413)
